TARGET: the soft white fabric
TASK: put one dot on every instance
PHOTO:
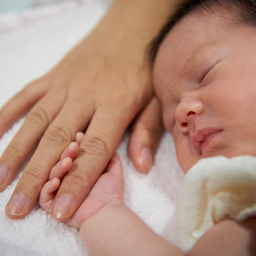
(27, 52)
(11, 19)
(213, 189)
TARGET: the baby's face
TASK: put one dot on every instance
(205, 78)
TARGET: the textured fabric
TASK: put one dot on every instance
(213, 189)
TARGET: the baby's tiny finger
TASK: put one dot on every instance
(79, 137)
(47, 194)
(51, 186)
(71, 151)
(61, 168)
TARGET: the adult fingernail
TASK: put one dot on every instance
(62, 207)
(3, 175)
(17, 204)
(145, 159)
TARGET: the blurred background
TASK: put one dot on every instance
(7, 6)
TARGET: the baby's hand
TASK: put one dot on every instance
(58, 172)
(108, 190)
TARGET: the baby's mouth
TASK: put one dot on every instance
(203, 140)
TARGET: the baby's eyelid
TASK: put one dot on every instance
(207, 71)
(205, 74)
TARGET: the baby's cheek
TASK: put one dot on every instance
(185, 156)
(175, 133)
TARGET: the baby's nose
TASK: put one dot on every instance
(186, 113)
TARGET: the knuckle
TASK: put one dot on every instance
(33, 177)
(15, 151)
(82, 179)
(94, 146)
(123, 101)
(39, 117)
(59, 135)
(79, 179)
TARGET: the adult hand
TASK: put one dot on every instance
(99, 87)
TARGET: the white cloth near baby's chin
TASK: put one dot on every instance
(213, 189)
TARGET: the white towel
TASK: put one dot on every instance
(213, 189)
(28, 52)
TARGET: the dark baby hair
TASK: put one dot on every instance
(241, 11)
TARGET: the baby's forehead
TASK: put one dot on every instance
(206, 22)
(198, 31)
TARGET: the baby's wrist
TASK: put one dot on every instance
(97, 226)
(93, 219)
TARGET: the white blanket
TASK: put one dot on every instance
(27, 52)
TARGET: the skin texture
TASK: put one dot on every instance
(208, 93)
(102, 78)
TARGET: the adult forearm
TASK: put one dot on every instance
(119, 231)
(144, 17)
(132, 24)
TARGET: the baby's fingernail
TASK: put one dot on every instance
(145, 159)
(62, 207)
(17, 204)
(3, 175)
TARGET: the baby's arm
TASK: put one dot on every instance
(228, 238)
(117, 230)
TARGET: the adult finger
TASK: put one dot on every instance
(146, 134)
(96, 149)
(26, 139)
(20, 104)
(57, 137)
